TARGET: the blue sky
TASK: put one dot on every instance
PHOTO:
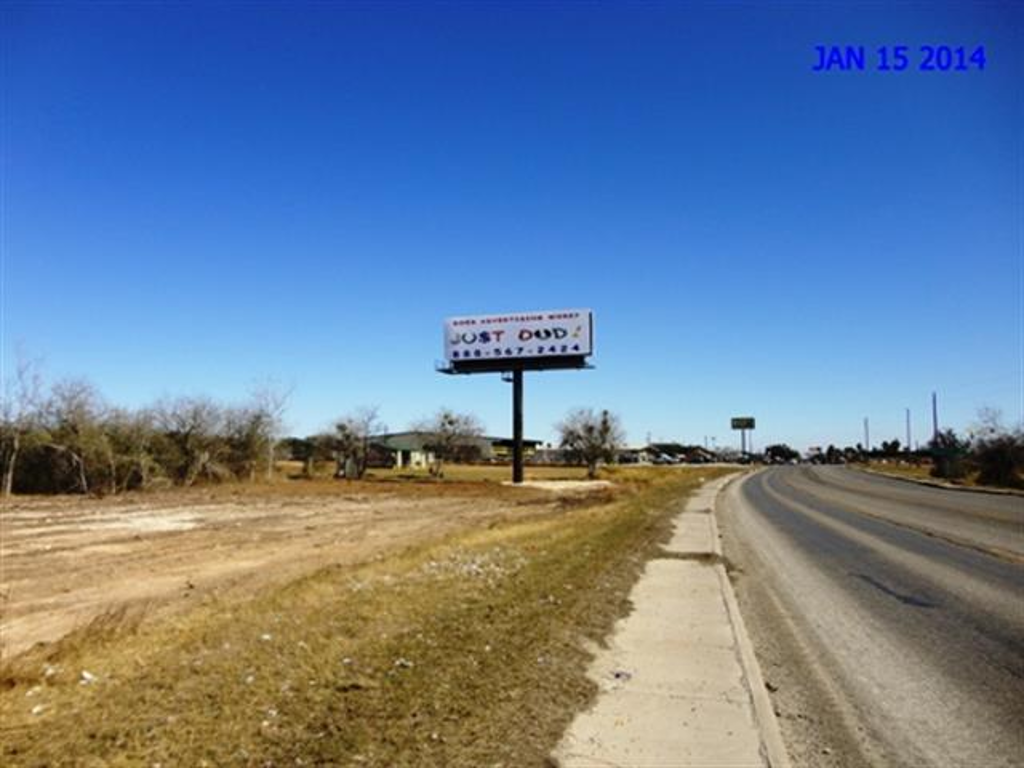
(199, 196)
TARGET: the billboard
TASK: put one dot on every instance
(743, 422)
(525, 339)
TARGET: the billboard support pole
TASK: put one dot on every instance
(744, 423)
(517, 425)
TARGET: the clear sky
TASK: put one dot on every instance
(197, 196)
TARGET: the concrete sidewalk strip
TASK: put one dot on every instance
(703, 500)
(695, 534)
(679, 682)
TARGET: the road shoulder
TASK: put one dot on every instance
(938, 483)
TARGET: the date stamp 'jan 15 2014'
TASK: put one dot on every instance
(899, 58)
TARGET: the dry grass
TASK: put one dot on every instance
(465, 652)
(459, 480)
(473, 482)
(918, 472)
(453, 473)
(495, 473)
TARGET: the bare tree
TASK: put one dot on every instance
(352, 434)
(19, 417)
(448, 434)
(270, 400)
(131, 435)
(248, 434)
(589, 438)
(988, 424)
(75, 434)
(193, 445)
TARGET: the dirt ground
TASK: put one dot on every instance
(66, 561)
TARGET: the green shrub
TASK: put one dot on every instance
(1000, 460)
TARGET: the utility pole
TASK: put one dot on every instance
(908, 431)
(935, 417)
(867, 436)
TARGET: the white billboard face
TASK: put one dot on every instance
(554, 333)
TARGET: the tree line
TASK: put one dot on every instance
(586, 437)
(450, 436)
(66, 438)
(989, 450)
(992, 451)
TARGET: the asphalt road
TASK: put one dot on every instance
(887, 616)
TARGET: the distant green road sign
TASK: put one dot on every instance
(743, 422)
